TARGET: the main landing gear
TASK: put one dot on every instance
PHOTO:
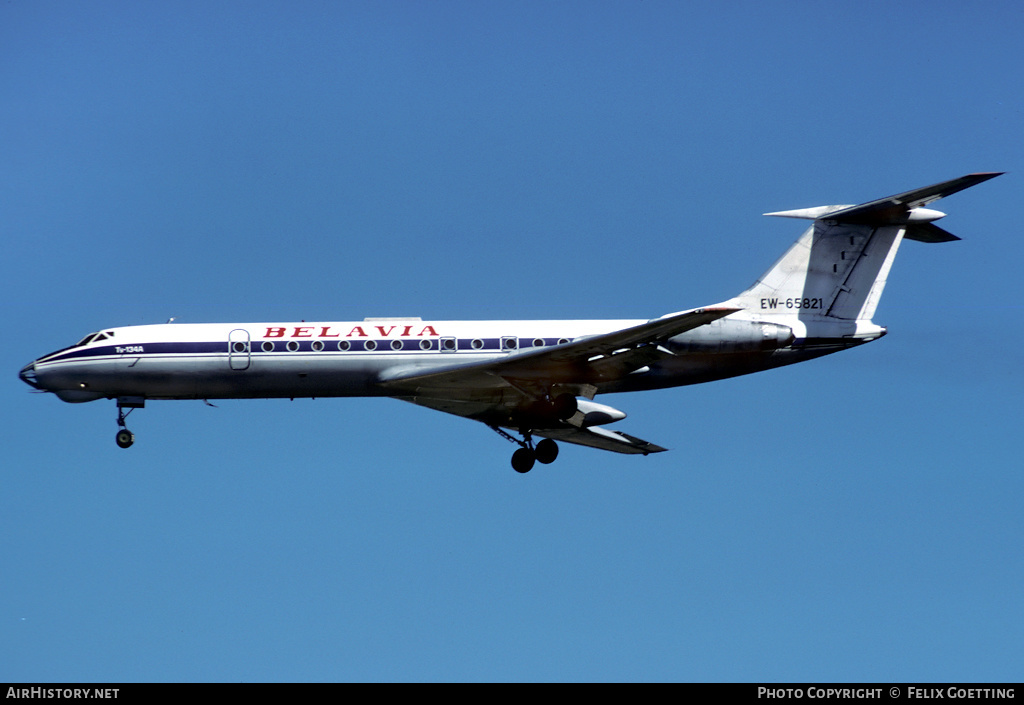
(544, 452)
(124, 437)
(540, 410)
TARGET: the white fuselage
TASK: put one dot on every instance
(333, 359)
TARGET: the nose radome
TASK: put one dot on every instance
(28, 375)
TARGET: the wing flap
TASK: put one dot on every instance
(603, 439)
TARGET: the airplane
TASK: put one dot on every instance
(524, 379)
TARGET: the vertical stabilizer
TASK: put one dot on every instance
(834, 269)
(839, 266)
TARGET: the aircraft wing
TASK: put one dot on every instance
(583, 362)
(506, 391)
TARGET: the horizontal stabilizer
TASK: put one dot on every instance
(903, 208)
(897, 209)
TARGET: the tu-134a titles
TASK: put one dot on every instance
(533, 382)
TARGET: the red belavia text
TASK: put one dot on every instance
(319, 331)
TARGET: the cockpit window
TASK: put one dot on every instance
(94, 338)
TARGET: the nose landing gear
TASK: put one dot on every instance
(124, 437)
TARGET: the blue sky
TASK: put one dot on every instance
(852, 518)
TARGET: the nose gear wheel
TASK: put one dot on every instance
(124, 438)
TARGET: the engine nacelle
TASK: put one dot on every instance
(595, 414)
(728, 335)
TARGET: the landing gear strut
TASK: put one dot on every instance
(124, 437)
(523, 459)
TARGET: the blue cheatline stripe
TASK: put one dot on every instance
(383, 345)
(136, 350)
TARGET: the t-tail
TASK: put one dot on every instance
(828, 284)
